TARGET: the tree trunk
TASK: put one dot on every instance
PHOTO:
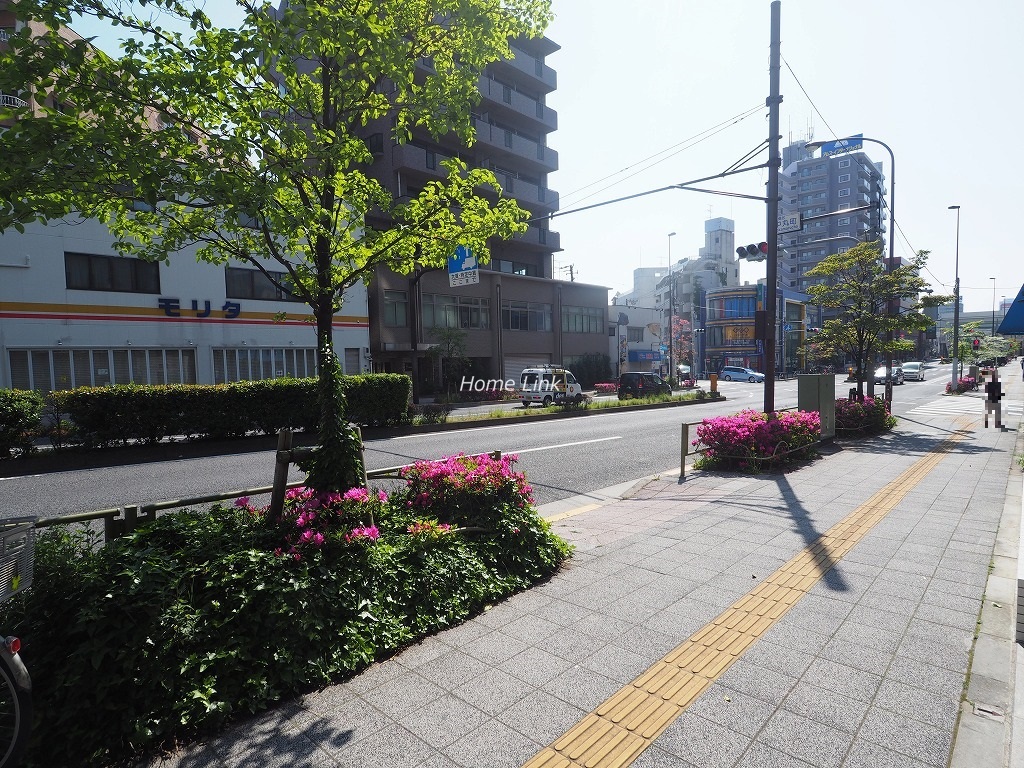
(337, 464)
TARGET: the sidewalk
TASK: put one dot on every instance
(821, 617)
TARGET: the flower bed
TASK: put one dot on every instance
(204, 616)
(748, 440)
(964, 384)
(606, 388)
(869, 417)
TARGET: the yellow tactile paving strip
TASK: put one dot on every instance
(620, 729)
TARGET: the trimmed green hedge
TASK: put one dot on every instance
(20, 414)
(114, 415)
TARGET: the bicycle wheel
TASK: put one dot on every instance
(15, 710)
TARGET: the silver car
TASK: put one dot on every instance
(897, 375)
(913, 371)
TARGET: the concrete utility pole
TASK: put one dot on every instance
(774, 162)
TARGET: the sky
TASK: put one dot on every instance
(657, 92)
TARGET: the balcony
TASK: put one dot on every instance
(504, 98)
(542, 239)
(531, 69)
(513, 148)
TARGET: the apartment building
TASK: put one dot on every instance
(814, 186)
(518, 315)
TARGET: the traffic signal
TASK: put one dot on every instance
(975, 343)
(753, 252)
(812, 329)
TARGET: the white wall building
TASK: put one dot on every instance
(73, 313)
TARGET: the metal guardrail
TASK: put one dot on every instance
(119, 521)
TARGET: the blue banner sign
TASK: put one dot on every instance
(644, 355)
(839, 146)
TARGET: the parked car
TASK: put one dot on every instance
(738, 373)
(897, 375)
(642, 385)
(549, 384)
(913, 371)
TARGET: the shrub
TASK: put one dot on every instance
(964, 384)
(750, 440)
(201, 617)
(20, 414)
(868, 417)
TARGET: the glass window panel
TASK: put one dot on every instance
(62, 369)
(262, 288)
(82, 366)
(19, 369)
(100, 367)
(121, 274)
(289, 363)
(100, 278)
(140, 371)
(244, 366)
(218, 366)
(156, 367)
(121, 373)
(173, 357)
(188, 366)
(147, 277)
(41, 381)
(76, 270)
(266, 364)
(352, 361)
(237, 283)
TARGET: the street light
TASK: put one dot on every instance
(671, 304)
(993, 305)
(956, 299)
(812, 145)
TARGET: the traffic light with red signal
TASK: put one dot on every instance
(753, 252)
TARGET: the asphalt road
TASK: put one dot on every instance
(561, 458)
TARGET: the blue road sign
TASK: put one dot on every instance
(463, 268)
(839, 146)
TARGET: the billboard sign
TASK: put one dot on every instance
(839, 146)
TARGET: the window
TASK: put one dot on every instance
(396, 309)
(515, 267)
(843, 221)
(89, 272)
(525, 316)
(635, 335)
(46, 370)
(583, 319)
(441, 311)
(844, 177)
(844, 192)
(613, 330)
(253, 284)
(844, 163)
(254, 364)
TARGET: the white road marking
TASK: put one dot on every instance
(565, 445)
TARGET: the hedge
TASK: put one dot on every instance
(105, 416)
(20, 414)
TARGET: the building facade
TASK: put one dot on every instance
(517, 315)
(73, 313)
(815, 186)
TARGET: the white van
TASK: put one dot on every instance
(549, 384)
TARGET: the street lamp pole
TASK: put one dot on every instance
(956, 300)
(671, 304)
(993, 305)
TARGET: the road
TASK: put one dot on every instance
(561, 458)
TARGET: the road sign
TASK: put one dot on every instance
(789, 222)
(839, 146)
(787, 327)
(463, 268)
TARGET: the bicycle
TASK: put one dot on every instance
(17, 547)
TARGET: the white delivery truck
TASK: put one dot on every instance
(549, 384)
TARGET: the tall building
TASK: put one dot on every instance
(518, 315)
(816, 186)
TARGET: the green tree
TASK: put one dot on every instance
(858, 288)
(249, 143)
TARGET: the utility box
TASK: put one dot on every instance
(817, 392)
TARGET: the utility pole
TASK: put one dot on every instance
(774, 162)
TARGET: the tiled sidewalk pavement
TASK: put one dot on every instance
(866, 670)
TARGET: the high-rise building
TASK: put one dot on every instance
(518, 315)
(817, 186)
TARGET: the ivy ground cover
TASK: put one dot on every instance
(205, 616)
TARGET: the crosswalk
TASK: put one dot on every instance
(959, 406)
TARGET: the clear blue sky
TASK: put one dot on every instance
(936, 81)
(647, 92)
